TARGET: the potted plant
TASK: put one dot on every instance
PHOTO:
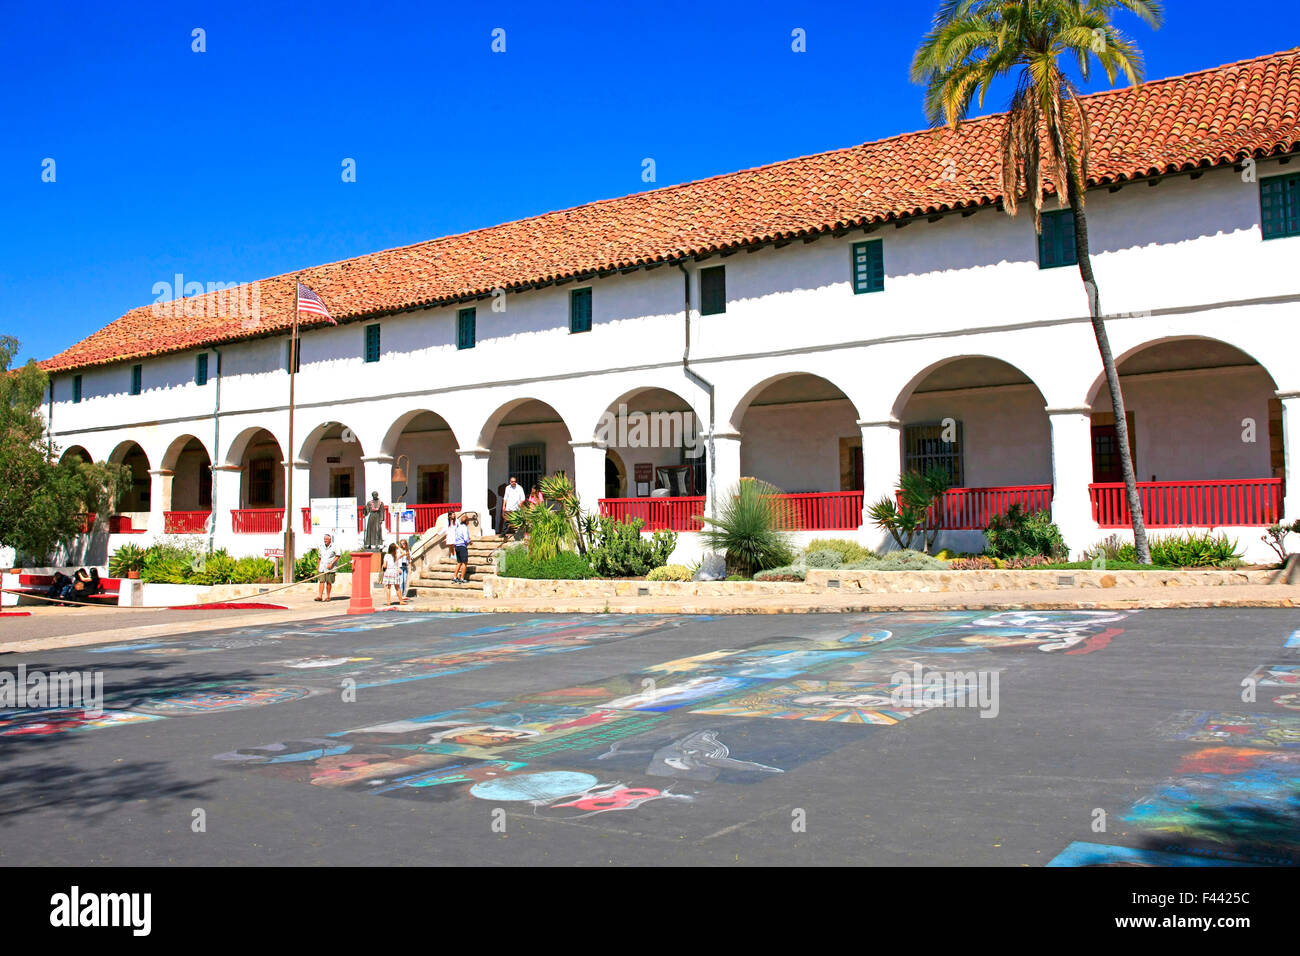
(126, 562)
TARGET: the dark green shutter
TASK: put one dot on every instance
(1056, 240)
(1279, 200)
(465, 328)
(713, 290)
(580, 310)
(201, 369)
(76, 389)
(868, 266)
(372, 343)
(136, 379)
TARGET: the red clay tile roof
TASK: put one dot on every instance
(1203, 119)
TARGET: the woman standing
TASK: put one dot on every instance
(392, 573)
(535, 496)
(404, 563)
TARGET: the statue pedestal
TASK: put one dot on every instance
(362, 569)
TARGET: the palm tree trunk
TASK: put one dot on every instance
(1112, 373)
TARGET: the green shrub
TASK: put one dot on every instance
(736, 577)
(215, 568)
(516, 562)
(671, 572)
(620, 551)
(848, 551)
(786, 573)
(253, 571)
(822, 559)
(1195, 549)
(166, 566)
(977, 563)
(1019, 534)
(905, 560)
(747, 530)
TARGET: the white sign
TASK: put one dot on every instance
(335, 516)
(406, 522)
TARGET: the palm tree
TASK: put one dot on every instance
(974, 43)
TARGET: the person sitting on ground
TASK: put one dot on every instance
(329, 560)
(80, 587)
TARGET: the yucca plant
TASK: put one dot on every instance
(747, 529)
(125, 560)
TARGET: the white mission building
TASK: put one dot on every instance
(827, 321)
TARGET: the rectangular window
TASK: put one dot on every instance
(713, 290)
(261, 482)
(137, 376)
(580, 310)
(372, 343)
(465, 328)
(76, 389)
(868, 266)
(201, 369)
(1279, 201)
(528, 464)
(1056, 240)
(929, 445)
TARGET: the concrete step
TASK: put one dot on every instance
(451, 590)
(437, 577)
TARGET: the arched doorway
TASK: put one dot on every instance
(426, 468)
(186, 486)
(1205, 436)
(131, 510)
(528, 439)
(260, 458)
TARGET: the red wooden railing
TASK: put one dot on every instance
(658, 514)
(257, 520)
(1191, 504)
(819, 511)
(185, 522)
(972, 508)
(426, 516)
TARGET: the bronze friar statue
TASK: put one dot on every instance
(374, 535)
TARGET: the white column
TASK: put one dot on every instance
(1291, 450)
(589, 473)
(724, 468)
(474, 484)
(881, 464)
(160, 500)
(228, 480)
(1071, 475)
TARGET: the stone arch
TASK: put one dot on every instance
(741, 407)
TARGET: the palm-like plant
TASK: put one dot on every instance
(749, 529)
(917, 509)
(974, 43)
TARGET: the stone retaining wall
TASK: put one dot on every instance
(876, 582)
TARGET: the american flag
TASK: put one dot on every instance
(309, 301)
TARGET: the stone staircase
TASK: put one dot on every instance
(433, 569)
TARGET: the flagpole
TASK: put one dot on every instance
(289, 465)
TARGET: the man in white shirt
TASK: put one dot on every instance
(329, 560)
(510, 501)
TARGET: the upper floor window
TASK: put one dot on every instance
(580, 310)
(372, 343)
(76, 388)
(1056, 240)
(868, 266)
(1279, 201)
(293, 355)
(713, 290)
(137, 375)
(201, 369)
(466, 321)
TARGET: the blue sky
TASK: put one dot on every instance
(226, 165)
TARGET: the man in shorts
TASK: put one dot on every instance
(329, 560)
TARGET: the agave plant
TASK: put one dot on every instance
(749, 530)
(916, 509)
